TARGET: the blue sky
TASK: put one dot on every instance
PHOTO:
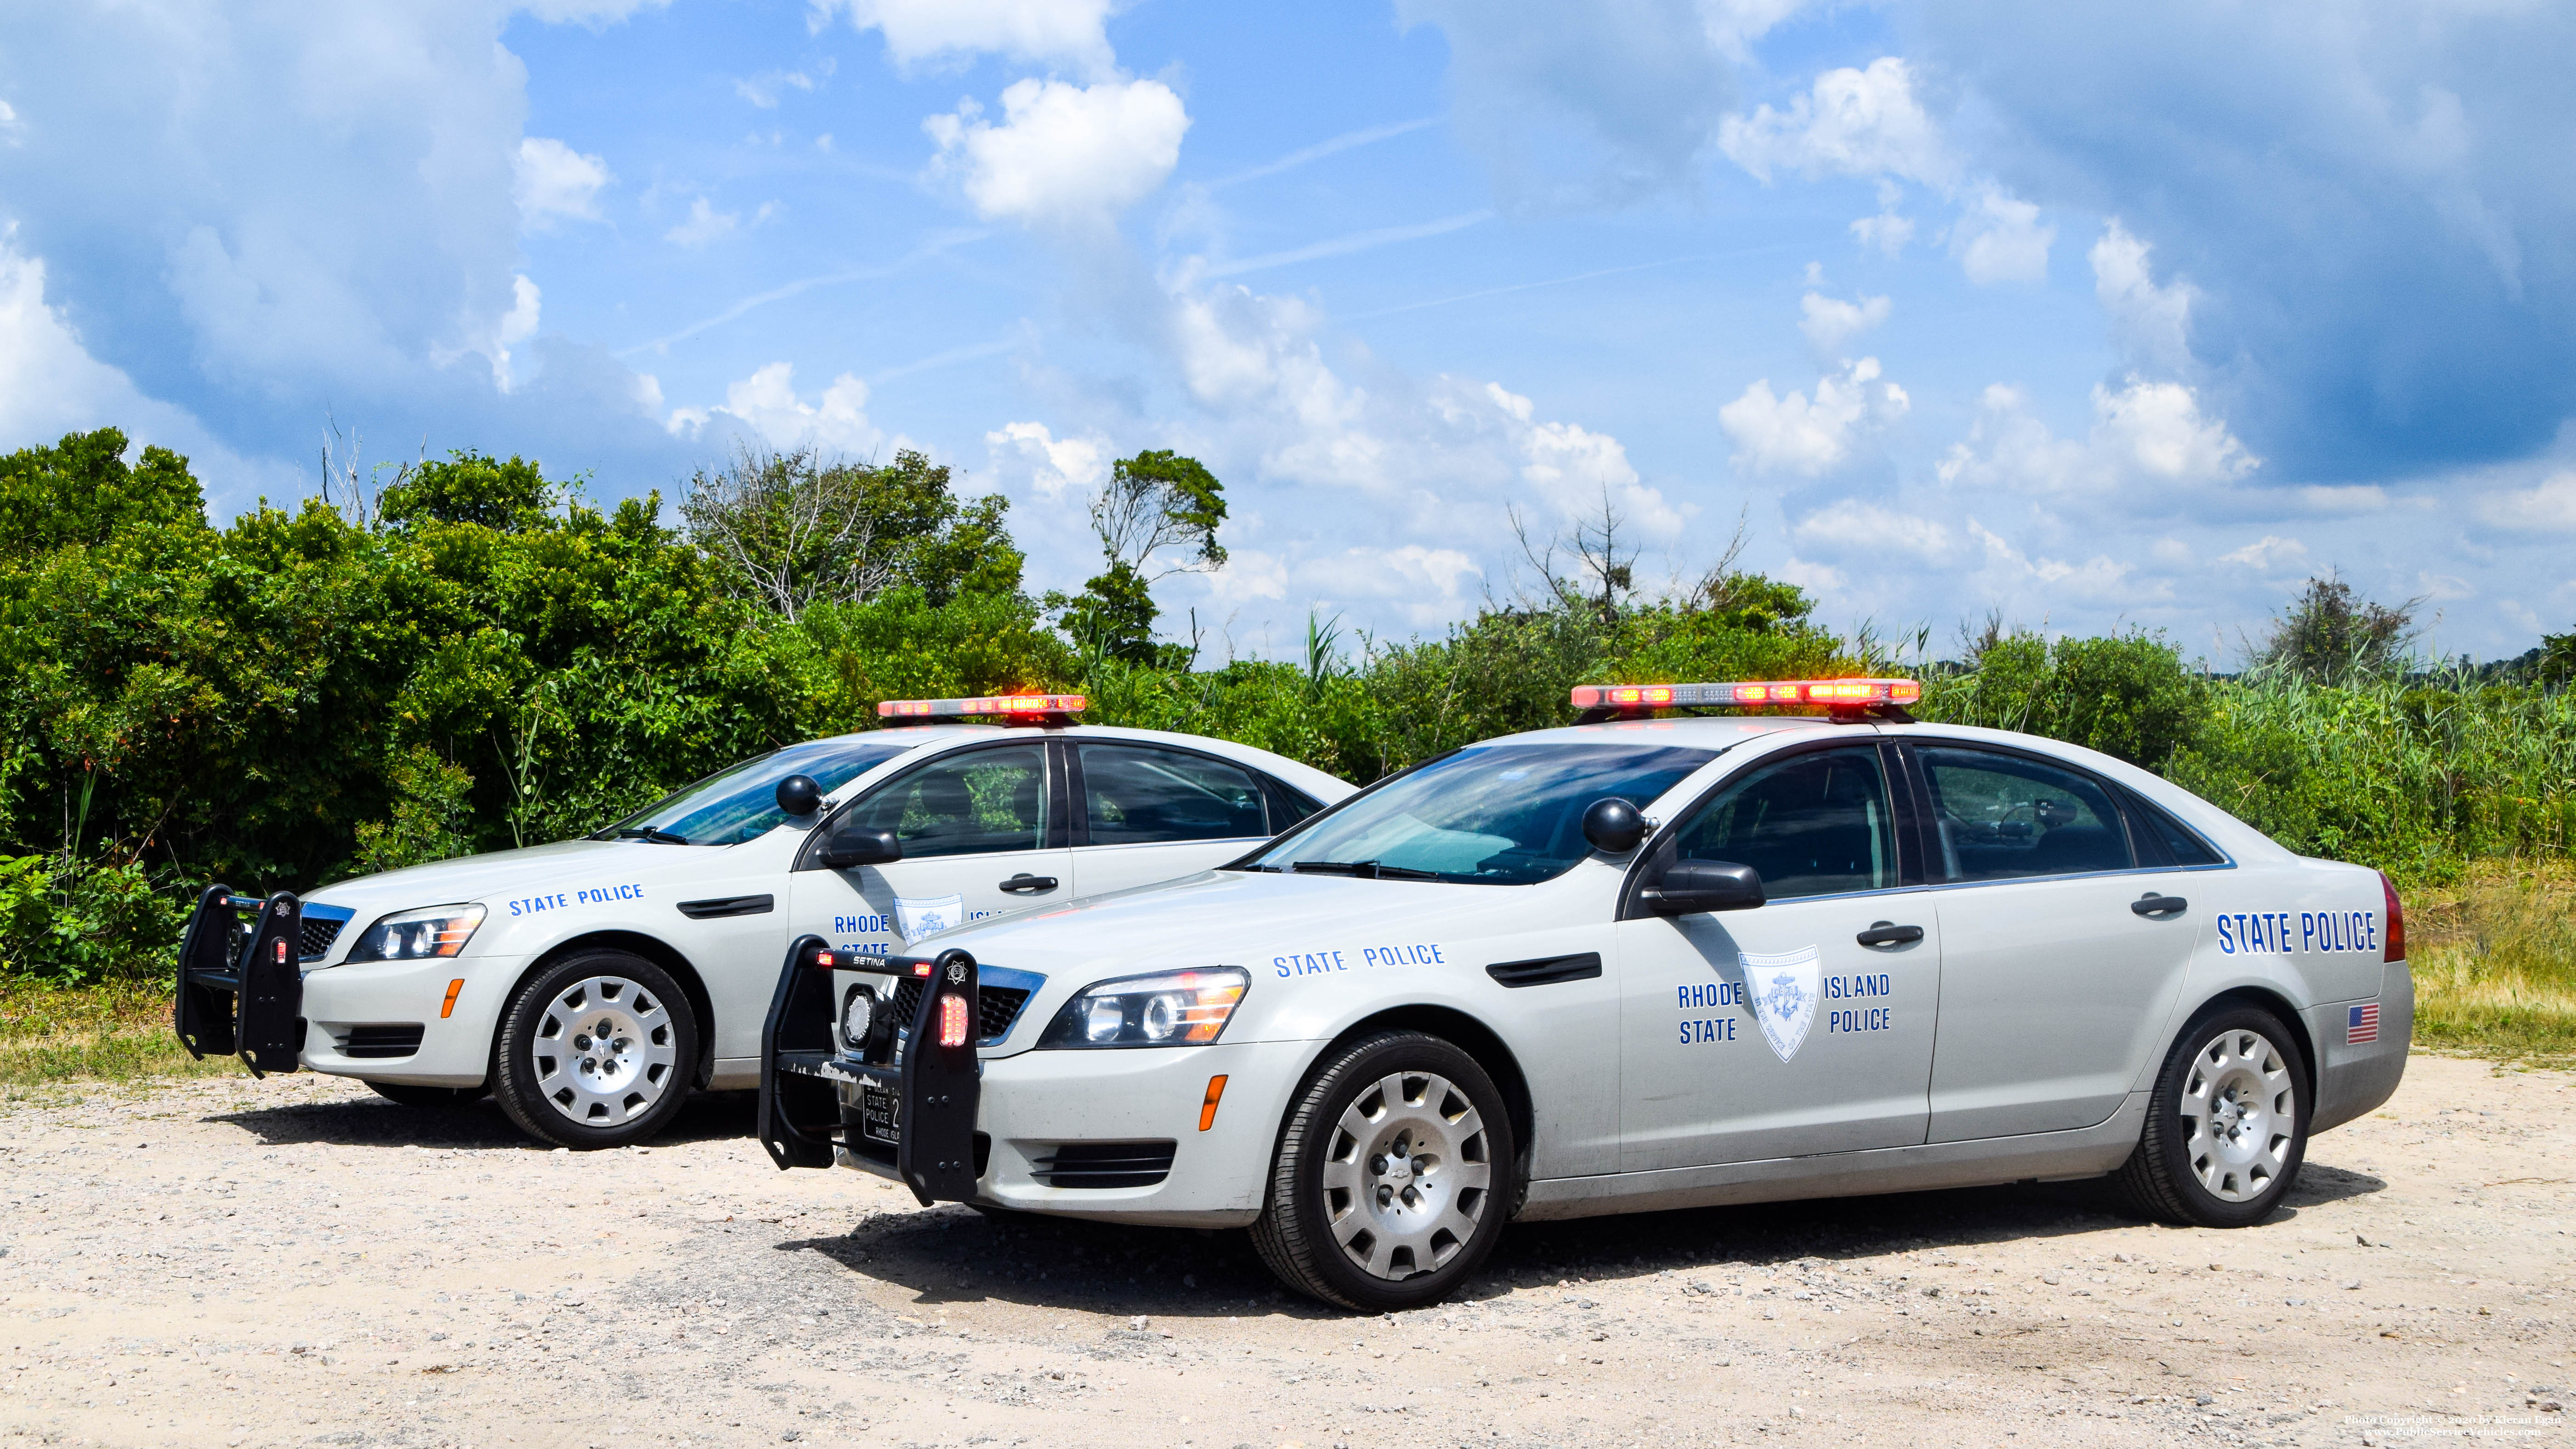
(2090, 314)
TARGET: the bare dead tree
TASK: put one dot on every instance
(345, 487)
(791, 530)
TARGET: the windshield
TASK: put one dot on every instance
(1491, 815)
(742, 803)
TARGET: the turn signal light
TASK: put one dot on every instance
(952, 1020)
(1207, 1107)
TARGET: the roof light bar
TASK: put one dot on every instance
(1838, 694)
(1009, 707)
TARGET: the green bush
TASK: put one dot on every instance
(84, 925)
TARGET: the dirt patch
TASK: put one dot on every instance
(296, 1262)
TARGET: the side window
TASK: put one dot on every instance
(1813, 824)
(2004, 817)
(2180, 841)
(965, 804)
(1137, 795)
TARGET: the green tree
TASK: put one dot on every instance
(1156, 516)
(2330, 633)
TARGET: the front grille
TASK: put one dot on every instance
(996, 1007)
(391, 1039)
(1105, 1164)
(316, 937)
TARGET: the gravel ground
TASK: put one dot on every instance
(295, 1262)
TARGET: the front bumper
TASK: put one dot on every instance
(356, 1016)
(1121, 1108)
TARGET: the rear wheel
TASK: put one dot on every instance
(428, 1098)
(1393, 1175)
(2227, 1127)
(595, 1051)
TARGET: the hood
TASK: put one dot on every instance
(1228, 918)
(504, 873)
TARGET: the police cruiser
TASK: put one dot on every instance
(1638, 963)
(589, 985)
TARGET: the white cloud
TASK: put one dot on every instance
(1792, 435)
(593, 13)
(2550, 505)
(2270, 554)
(1886, 233)
(1999, 238)
(2099, 580)
(491, 339)
(763, 90)
(1578, 469)
(11, 128)
(1056, 464)
(1851, 123)
(554, 180)
(2148, 435)
(1043, 31)
(1831, 322)
(51, 385)
(1855, 527)
(766, 403)
(704, 224)
(2153, 321)
(1064, 155)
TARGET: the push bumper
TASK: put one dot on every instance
(240, 987)
(1113, 1134)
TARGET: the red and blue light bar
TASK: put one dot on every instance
(1834, 693)
(1008, 707)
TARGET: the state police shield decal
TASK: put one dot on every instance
(1782, 990)
(928, 916)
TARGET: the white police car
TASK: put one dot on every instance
(590, 984)
(1636, 963)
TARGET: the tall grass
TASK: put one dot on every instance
(2417, 776)
(2495, 963)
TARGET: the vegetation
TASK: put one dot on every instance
(476, 656)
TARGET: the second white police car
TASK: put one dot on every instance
(590, 984)
(1636, 963)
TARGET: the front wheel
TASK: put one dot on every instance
(596, 1051)
(2227, 1126)
(1393, 1177)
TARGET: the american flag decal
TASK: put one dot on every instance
(2361, 1025)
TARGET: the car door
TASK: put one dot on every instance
(2055, 986)
(1152, 813)
(1800, 1026)
(982, 832)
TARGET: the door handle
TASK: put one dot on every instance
(2152, 904)
(1888, 933)
(1025, 883)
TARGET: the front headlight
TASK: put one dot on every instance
(1178, 1008)
(418, 935)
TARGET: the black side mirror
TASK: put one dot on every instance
(799, 796)
(1689, 887)
(1613, 826)
(856, 845)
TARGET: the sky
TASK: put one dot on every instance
(2089, 316)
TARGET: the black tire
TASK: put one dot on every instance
(540, 1070)
(1295, 1233)
(2254, 1164)
(429, 1099)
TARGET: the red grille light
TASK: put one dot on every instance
(952, 1019)
(1840, 693)
(1008, 706)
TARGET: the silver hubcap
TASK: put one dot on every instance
(2241, 1104)
(605, 1052)
(1406, 1177)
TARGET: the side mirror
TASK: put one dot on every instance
(1613, 826)
(1689, 887)
(799, 796)
(856, 845)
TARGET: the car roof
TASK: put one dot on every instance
(1711, 732)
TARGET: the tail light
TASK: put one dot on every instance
(952, 1020)
(2396, 938)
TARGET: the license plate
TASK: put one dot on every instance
(880, 1114)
